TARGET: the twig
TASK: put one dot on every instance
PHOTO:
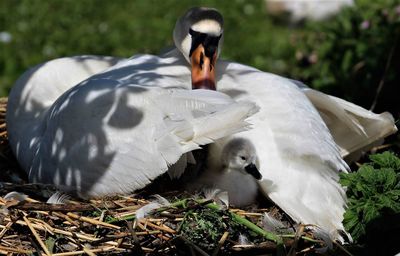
(67, 218)
(88, 251)
(55, 207)
(137, 249)
(105, 249)
(6, 227)
(92, 221)
(140, 225)
(85, 237)
(292, 251)
(220, 243)
(35, 234)
(15, 250)
(162, 227)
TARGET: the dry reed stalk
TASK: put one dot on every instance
(92, 221)
(88, 251)
(65, 217)
(124, 214)
(36, 235)
(161, 227)
(85, 237)
(161, 235)
(128, 208)
(105, 249)
(220, 243)
(8, 250)
(45, 226)
(5, 229)
(5, 242)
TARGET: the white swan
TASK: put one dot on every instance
(232, 167)
(105, 137)
(299, 160)
(354, 129)
(118, 130)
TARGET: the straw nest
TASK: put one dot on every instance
(186, 225)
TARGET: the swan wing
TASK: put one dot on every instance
(105, 137)
(299, 160)
(354, 129)
(37, 89)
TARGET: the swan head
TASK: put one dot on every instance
(198, 35)
(239, 154)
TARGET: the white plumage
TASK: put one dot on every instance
(298, 158)
(231, 167)
(105, 137)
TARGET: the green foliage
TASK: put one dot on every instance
(205, 227)
(373, 191)
(347, 56)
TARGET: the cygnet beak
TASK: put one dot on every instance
(203, 69)
(253, 171)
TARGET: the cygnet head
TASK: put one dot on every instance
(239, 154)
(198, 34)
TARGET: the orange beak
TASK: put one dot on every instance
(203, 69)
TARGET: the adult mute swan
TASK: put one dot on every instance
(118, 130)
(298, 159)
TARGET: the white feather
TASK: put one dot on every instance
(299, 160)
(271, 224)
(243, 240)
(58, 198)
(145, 210)
(354, 129)
(220, 197)
(17, 196)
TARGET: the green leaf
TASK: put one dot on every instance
(370, 211)
(372, 191)
(386, 160)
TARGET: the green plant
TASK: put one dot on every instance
(355, 55)
(373, 193)
(205, 226)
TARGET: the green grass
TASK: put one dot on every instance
(44, 30)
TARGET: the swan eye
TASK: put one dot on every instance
(243, 158)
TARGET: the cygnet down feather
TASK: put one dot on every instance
(232, 167)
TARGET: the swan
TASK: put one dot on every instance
(105, 137)
(116, 131)
(355, 130)
(299, 160)
(232, 167)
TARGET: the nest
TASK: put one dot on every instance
(187, 225)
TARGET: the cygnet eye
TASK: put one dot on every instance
(243, 158)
